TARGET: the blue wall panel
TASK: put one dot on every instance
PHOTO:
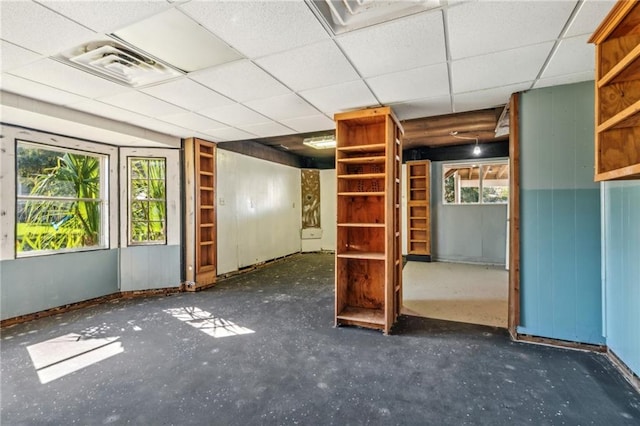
(37, 283)
(560, 286)
(621, 253)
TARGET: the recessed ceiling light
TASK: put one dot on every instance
(178, 40)
(320, 142)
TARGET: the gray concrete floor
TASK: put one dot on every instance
(260, 348)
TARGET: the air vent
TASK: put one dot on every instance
(117, 62)
(348, 15)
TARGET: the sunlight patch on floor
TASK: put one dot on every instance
(63, 355)
(207, 322)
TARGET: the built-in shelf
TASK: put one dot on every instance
(377, 147)
(362, 160)
(363, 176)
(418, 208)
(361, 225)
(361, 255)
(617, 111)
(361, 194)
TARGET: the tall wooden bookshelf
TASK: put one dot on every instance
(419, 210)
(368, 253)
(201, 248)
(617, 112)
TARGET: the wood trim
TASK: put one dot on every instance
(624, 369)
(206, 248)
(514, 213)
(568, 344)
(611, 21)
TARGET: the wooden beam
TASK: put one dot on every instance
(514, 213)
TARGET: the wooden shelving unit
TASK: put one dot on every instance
(419, 210)
(617, 111)
(368, 255)
(201, 247)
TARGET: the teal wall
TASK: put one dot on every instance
(37, 283)
(560, 281)
(149, 267)
(621, 262)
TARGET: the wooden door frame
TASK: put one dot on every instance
(513, 319)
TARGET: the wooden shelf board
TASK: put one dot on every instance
(629, 172)
(205, 243)
(205, 173)
(361, 194)
(619, 119)
(361, 225)
(366, 255)
(620, 67)
(362, 315)
(206, 207)
(206, 225)
(363, 148)
(377, 159)
(363, 176)
(205, 154)
(206, 188)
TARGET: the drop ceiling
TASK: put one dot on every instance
(283, 71)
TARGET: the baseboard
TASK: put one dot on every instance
(567, 344)
(627, 373)
(418, 257)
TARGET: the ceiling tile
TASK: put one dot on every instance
(232, 80)
(282, 107)
(187, 94)
(229, 134)
(193, 121)
(162, 127)
(487, 98)
(401, 44)
(591, 13)
(431, 81)
(477, 28)
(341, 97)
(107, 16)
(31, 89)
(39, 29)
(259, 28)
(310, 124)
(234, 115)
(318, 65)
(105, 110)
(573, 55)
(143, 104)
(565, 79)
(422, 108)
(499, 69)
(65, 77)
(12, 56)
(267, 130)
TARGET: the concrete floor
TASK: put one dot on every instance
(261, 349)
(475, 294)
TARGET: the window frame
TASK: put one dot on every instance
(103, 200)
(130, 241)
(480, 163)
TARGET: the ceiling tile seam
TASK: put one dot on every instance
(25, 48)
(64, 16)
(556, 44)
(46, 85)
(447, 53)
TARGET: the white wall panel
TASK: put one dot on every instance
(259, 214)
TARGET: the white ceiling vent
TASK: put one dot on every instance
(117, 62)
(348, 15)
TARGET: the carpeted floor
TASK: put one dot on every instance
(261, 349)
(474, 294)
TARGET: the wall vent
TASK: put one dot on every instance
(117, 62)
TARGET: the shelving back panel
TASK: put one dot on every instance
(358, 209)
(363, 283)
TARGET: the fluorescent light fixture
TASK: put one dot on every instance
(178, 40)
(117, 62)
(320, 142)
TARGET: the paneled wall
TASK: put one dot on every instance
(621, 263)
(560, 286)
(259, 210)
(466, 233)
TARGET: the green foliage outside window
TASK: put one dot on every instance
(58, 199)
(147, 208)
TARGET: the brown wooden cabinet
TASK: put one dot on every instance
(419, 210)
(368, 252)
(617, 111)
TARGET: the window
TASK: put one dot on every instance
(476, 183)
(147, 201)
(61, 204)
